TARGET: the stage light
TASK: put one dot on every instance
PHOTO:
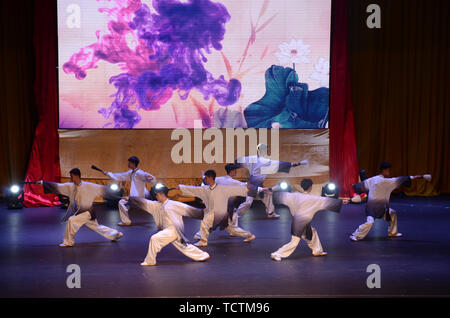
(115, 193)
(283, 186)
(14, 189)
(330, 190)
(15, 197)
(114, 187)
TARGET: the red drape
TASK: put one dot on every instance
(343, 159)
(44, 159)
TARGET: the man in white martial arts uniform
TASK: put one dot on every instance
(230, 169)
(80, 211)
(303, 207)
(215, 197)
(259, 167)
(138, 178)
(377, 207)
(168, 216)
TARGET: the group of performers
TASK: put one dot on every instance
(219, 195)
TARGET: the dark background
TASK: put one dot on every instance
(399, 82)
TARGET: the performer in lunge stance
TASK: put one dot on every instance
(230, 169)
(215, 197)
(80, 211)
(377, 207)
(168, 215)
(303, 207)
(259, 167)
(138, 178)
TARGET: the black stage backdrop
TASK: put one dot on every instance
(399, 83)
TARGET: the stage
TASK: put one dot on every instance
(32, 264)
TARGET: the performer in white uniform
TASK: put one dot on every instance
(377, 207)
(80, 211)
(230, 169)
(168, 217)
(259, 167)
(138, 178)
(303, 207)
(215, 197)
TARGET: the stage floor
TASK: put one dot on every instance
(32, 264)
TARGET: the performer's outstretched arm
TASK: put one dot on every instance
(55, 187)
(118, 176)
(193, 191)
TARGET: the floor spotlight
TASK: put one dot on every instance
(283, 186)
(114, 187)
(330, 190)
(15, 197)
(115, 193)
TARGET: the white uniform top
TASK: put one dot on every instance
(215, 198)
(81, 196)
(302, 203)
(380, 188)
(137, 177)
(303, 207)
(227, 180)
(167, 214)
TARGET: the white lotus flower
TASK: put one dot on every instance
(293, 52)
(322, 72)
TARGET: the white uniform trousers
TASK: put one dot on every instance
(167, 236)
(289, 248)
(75, 222)
(232, 229)
(123, 212)
(364, 228)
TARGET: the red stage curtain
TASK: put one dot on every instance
(44, 159)
(343, 159)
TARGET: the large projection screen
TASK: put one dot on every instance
(127, 64)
